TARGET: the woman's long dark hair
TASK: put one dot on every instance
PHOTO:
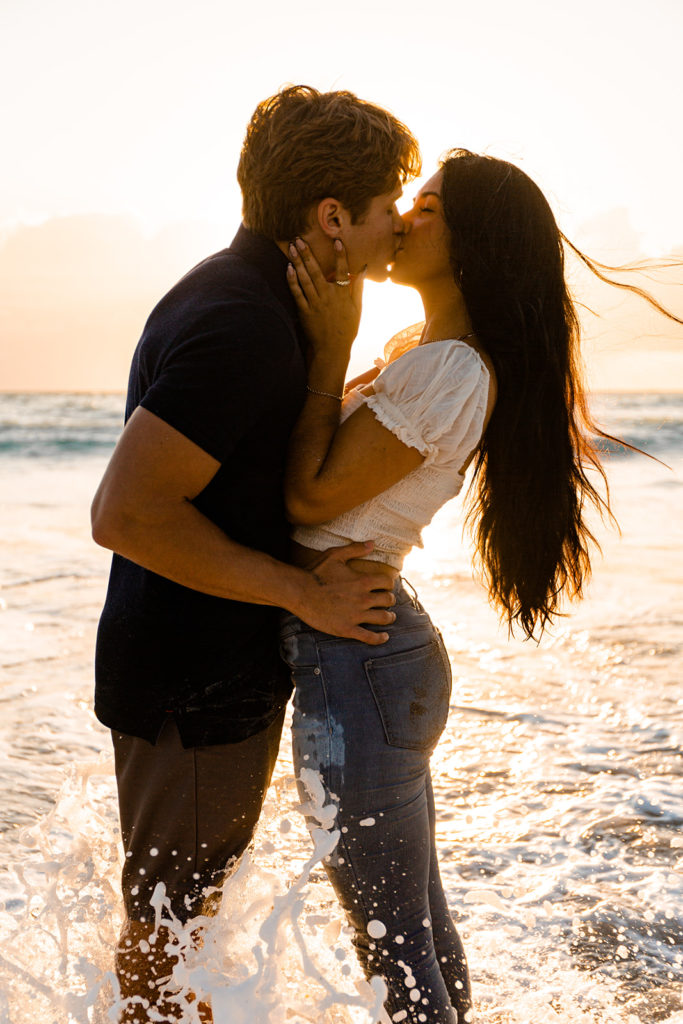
(530, 490)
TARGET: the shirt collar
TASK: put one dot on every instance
(264, 254)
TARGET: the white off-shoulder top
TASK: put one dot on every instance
(432, 398)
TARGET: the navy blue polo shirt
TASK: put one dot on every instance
(220, 360)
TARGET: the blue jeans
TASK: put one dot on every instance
(367, 719)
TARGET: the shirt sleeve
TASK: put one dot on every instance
(434, 398)
(219, 378)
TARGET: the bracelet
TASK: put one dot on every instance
(325, 394)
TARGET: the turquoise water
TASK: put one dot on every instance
(54, 426)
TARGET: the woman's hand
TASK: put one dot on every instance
(329, 310)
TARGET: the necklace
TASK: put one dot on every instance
(463, 337)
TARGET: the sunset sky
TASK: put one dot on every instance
(122, 125)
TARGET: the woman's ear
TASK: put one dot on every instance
(332, 218)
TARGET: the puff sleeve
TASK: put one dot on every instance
(434, 398)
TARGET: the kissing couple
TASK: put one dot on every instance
(260, 507)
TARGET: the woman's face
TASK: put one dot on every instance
(423, 257)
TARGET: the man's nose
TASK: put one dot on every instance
(404, 220)
(399, 226)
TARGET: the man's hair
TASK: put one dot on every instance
(303, 146)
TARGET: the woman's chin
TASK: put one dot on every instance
(396, 276)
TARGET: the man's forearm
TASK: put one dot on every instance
(144, 512)
(186, 547)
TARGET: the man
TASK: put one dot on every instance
(188, 673)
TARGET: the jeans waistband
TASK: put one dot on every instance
(405, 592)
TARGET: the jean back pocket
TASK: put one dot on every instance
(412, 691)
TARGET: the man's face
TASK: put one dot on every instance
(373, 240)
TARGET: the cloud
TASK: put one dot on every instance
(611, 237)
(627, 345)
(75, 293)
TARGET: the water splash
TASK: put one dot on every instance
(276, 951)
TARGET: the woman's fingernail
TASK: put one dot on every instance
(290, 268)
(300, 244)
(293, 251)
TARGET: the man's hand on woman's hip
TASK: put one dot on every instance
(339, 599)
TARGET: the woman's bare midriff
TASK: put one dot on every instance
(307, 557)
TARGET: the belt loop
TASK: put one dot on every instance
(414, 599)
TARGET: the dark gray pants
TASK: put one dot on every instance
(186, 814)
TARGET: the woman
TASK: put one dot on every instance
(492, 377)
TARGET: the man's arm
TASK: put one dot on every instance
(143, 510)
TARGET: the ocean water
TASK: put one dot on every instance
(558, 782)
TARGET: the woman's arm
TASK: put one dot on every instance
(332, 468)
(361, 379)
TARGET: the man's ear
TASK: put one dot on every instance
(332, 218)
